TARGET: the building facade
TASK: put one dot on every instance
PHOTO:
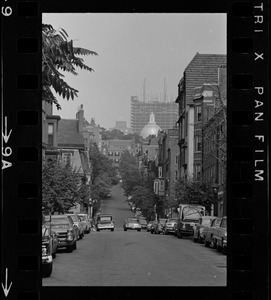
(204, 68)
(113, 149)
(166, 114)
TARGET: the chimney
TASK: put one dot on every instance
(80, 118)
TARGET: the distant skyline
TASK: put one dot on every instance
(133, 47)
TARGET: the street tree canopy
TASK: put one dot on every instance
(62, 187)
(194, 191)
(59, 54)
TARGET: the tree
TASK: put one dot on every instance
(195, 191)
(62, 187)
(129, 171)
(59, 54)
(101, 165)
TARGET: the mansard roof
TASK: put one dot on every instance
(203, 68)
(68, 134)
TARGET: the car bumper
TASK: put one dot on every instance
(133, 228)
(65, 243)
(170, 229)
(105, 227)
(187, 232)
(47, 259)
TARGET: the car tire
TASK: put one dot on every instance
(125, 229)
(151, 232)
(75, 246)
(54, 255)
(70, 248)
(206, 243)
(97, 229)
(138, 229)
(47, 270)
(112, 229)
(195, 240)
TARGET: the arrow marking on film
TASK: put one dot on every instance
(6, 135)
(6, 289)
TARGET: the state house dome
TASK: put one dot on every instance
(151, 128)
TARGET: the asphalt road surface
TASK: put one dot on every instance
(134, 258)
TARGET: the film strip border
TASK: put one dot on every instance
(247, 153)
(247, 150)
(21, 150)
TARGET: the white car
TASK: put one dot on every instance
(105, 221)
(86, 222)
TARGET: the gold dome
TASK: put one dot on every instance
(151, 128)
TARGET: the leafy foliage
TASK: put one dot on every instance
(58, 54)
(195, 191)
(104, 175)
(62, 187)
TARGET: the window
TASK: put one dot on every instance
(176, 176)
(198, 142)
(117, 154)
(50, 134)
(198, 113)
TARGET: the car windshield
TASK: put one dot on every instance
(162, 221)
(190, 213)
(131, 219)
(60, 221)
(105, 219)
(206, 221)
(216, 222)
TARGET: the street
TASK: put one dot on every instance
(134, 258)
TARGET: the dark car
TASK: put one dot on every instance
(220, 236)
(208, 232)
(66, 231)
(190, 217)
(131, 223)
(49, 249)
(158, 226)
(170, 226)
(105, 222)
(204, 221)
(149, 226)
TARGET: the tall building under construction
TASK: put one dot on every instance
(166, 113)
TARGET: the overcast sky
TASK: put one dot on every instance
(133, 47)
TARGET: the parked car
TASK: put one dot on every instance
(189, 217)
(143, 223)
(105, 222)
(159, 226)
(65, 229)
(208, 232)
(149, 226)
(131, 223)
(220, 236)
(153, 226)
(78, 223)
(204, 221)
(86, 222)
(169, 226)
(49, 248)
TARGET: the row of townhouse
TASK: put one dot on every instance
(197, 146)
(68, 140)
